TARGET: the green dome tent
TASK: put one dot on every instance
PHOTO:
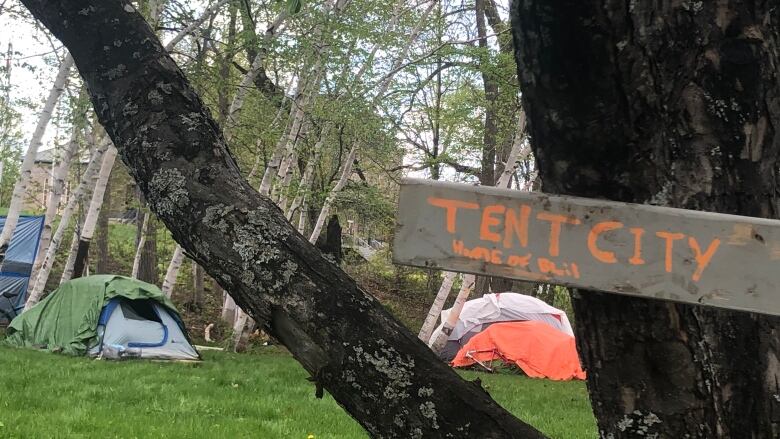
(104, 315)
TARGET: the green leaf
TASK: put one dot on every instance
(294, 6)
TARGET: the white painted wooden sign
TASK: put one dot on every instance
(726, 261)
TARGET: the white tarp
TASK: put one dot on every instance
(505, 307)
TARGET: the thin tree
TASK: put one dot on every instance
(59, 174)
(141, 244)
(25, 172)
(83, 190)
(79, 258)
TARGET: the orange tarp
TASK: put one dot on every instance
(540, 350)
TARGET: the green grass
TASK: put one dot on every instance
(262, 395)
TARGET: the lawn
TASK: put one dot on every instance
(259, 395)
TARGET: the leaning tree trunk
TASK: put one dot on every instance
(88, 231)
(169, 281)
(25, 172)
(82, 191)
(139, 248)
(59, 175)
(147, 267)
(384, 377)
(346, 171)
(675, 104)
(198, 280)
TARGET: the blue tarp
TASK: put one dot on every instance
(17, 265)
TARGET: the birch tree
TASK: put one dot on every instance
(84, 189)
(140, 248)
(20, 188)
(90, 221)
(384, 85)
(173, 270)
(59, 175)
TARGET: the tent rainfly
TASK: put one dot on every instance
(105, 316)
(478, 314)
(517, 329)
(15, 268)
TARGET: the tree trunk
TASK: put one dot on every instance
(308, 174)
(439, 339)
(169, 282)
(254, 69)
(384, 377)
(346, 171)
(208, 13)
(143, 231)
(82, 252)
(25, 172)
(103, 233)
(676, 104)
(229, 309)
(59, 175)
(147, 267)
(438, 304)
(88, 181)
(197, 285)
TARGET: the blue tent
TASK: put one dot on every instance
(16, 268)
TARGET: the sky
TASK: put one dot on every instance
(31, 76)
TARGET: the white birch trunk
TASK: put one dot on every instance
(279, 148)
(82, 191)
(286, 146)
(229, 309)
(440, 338)
(140, 248)
(90, 222)
(238, 327)
(514, 157)
(302, 216)
(284, 186)
(383, 87)
(67, 272)
(246, 82)
(17, 196)
(88, 231)
(59, 176)
(438, 303)
(172, 273)
(308, 173)
(195, 24)
(326, 206)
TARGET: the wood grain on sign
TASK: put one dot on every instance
(688, 256)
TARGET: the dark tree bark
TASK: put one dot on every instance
(671, 103)
(329, 243)
(488, 175)
(374, 367)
